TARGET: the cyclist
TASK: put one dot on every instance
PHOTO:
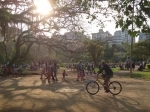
(108, 74)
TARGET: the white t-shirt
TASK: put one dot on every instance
(43, 67)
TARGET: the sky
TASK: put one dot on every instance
(93, 28)
(43, 5)
(109, 26)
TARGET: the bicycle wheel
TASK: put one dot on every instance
(115, 87)
(92, 87)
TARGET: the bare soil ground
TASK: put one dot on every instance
(30, 94)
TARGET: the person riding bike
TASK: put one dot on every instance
(108, 74)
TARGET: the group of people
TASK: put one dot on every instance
(102, 67)
(142, 66)
(82, 70)
(49, 71)
(14, 70)
(126, 65)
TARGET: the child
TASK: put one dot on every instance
(64, 74)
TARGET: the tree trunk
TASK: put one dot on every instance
(18, 55)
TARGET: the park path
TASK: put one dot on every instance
(30, 94)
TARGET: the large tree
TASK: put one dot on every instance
(36, 28)
(132, 12)
(142, 49)
(96, 49)
(124, 12)
(65, 14)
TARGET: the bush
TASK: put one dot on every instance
(148, 66)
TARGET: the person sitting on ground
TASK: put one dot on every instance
(140, 67)
(108, 74)
(64, 75)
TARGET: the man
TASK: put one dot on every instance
(43, 70)
(108, 74)
(55, 71)
(49, 71)
(93, 68)
(80, 71)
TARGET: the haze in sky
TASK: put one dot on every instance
(109, 24)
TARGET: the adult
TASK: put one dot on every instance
(55, 71)
(89, 69)
(43, 70)
(79, 71)
(133, 65)
(108, 74)
(93, 68)
(49, 71)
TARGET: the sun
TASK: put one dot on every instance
(43, 7)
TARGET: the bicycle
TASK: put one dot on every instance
(93, 87)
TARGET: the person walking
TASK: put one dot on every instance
(55, 71)
(93, 68)
(79, 71)
(49, 71)
(43, 70)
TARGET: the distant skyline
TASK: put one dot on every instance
(109, 26)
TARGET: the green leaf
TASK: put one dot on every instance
(121, 22)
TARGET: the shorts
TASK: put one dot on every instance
(107, 77)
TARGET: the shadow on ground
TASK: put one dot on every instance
(30, 94)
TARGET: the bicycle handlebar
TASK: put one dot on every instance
(101, 75)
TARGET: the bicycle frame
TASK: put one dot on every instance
(99, 80)
(111, 86)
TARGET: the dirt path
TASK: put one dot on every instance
(30, 94)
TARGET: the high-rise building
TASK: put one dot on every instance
(143, 36)
(118, 37)
(101, 35)
(73, 35)
(122, 36)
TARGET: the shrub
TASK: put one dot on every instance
(148, 66)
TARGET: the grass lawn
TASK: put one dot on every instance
(96, 69)
(113, 69)
(142, 74)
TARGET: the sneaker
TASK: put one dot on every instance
(77, 79)
(82, 79)
(107, 91)
(105, 88)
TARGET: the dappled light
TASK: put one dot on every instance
(43, 7)
(52, 50)
(28, 93)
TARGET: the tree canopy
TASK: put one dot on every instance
(95, 49)
(28, 26)
(142, 49)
